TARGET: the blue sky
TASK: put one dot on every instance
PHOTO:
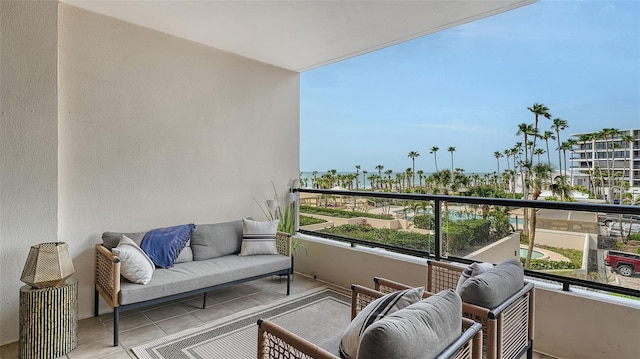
(469, 87)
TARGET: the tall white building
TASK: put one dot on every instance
(612, 153)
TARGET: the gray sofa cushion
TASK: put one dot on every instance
(421, 330)
(215, 240)
(184, 277)
(494, 286)
(111, 239)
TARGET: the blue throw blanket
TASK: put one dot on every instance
(163, 245)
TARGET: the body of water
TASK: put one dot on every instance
(456, 215)
(534, 254)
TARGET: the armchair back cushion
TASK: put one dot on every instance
(421, 330)
(374, 311)
(493, 286)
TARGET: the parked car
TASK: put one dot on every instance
(624, 263)
(614, 228)
(605, 219)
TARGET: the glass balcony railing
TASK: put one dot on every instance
(568, 241)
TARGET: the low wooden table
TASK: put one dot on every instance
(48, 320)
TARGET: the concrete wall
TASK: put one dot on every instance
(583, 325)
(568, 325)
(149, 131)
(581, 223)
(572, 240)
(499, 251)
(28, 143)
(342, 265)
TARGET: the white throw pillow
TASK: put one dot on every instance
(472, 270)
(258, 237)
(373, 312)
(135, 265)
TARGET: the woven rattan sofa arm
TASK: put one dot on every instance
(283, 243)
(107, 275)
(277, 342)
(360, 297)
(387, 285)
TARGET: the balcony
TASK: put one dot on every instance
(586, 312)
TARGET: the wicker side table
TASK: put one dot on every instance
(48, 320)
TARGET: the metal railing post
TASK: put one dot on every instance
(437, 223)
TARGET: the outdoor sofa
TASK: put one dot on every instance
(209, 261)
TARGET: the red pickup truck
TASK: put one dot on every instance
(624, 263)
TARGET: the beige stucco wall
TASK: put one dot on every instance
(499, 251)
(28, 144)
(340, 264)
(149, 131)
(582, 325)
(568, 325)
(562, 239)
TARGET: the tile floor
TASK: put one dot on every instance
(95, 338)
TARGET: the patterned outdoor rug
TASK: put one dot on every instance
(316, 315)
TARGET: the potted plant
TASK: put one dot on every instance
(287, 217)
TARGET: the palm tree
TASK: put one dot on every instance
(587, 141)
(452, 150)
(420, 176)
(413, 155)
(357, 176)
(516, 151)
(538, 151)
(525, 175)
(526, 130)
(507, 154)
(364, 176)
(314, 182)
(607, 133)
(538, 110)
(559, 125)
(409, 174)
(497, 155)
(539, 176)
(332, 173)
(434, 150)
(628, 140)
(399, 180)
(380, 168)
(372, 180)
(546, 136)
(388, 173)
(570, 145)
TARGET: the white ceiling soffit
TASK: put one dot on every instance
(299, 35)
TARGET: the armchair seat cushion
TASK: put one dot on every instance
(421, 330)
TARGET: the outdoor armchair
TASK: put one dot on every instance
(275, 342)
(507, 328)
